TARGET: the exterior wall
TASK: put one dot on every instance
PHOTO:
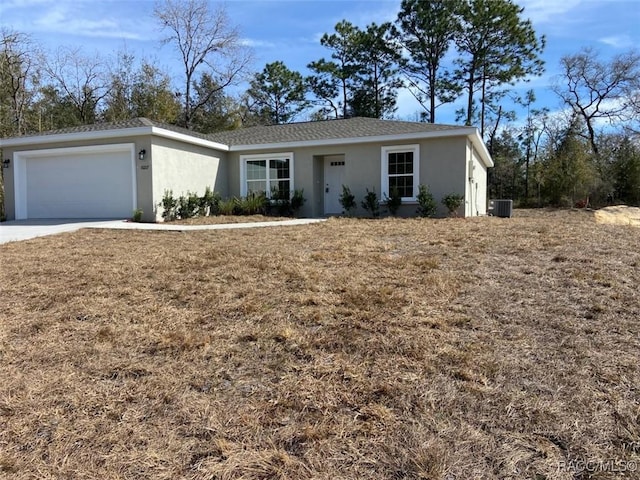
(8, 182)
(446, 166)
(476, 187)
(184, 168)
(443, 168)
(362, 170)
(143, 177)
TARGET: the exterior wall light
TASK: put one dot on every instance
(6, 162)
(141, 154)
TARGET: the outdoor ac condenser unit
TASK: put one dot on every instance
(501, 208)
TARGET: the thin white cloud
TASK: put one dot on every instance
(255, 43)
(70, 18)
(618, 41)
(547, 11)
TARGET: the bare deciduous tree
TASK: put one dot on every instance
(203, 38)
(80, 80)
(599, 90)
(18, 76)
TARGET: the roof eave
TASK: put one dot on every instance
(183, 137)
(478, 143)
(456, 132)
(107, 134)
(74, 136)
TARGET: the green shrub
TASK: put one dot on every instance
(193, 203)
(137, 215)
(252, 204)
(280, 201)
(168, 204)
(347, 200)
(229, 206)
(453, 202)
(182, 209)
(426, 203)
(188, 206)
(371, 203)
(297, 200)
(209, 202)
(394, 201)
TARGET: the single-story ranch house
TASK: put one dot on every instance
(109, 170)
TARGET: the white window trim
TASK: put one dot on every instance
(384, 174)
(264, 156)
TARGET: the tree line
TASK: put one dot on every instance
(589, 151)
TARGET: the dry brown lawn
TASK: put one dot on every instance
(447, 349)
(225, 219)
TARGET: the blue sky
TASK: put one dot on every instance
(290, 30)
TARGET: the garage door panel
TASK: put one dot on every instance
(84, 185)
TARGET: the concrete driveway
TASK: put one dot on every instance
(17, 230)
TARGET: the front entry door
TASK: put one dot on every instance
(333, 181)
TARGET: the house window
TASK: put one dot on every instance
(400, 165)
(268, 174)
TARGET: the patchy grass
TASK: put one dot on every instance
(437, 349)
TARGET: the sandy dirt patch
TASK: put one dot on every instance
(619, 215)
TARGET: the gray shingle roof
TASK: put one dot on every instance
(323, 130)
(120, 125)
(358, 127)
(97, 127)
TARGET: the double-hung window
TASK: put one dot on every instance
(400, 170)
(270, 174)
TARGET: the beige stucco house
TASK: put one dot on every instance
(109, 170)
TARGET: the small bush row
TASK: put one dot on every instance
(426, 203)
(211, 203)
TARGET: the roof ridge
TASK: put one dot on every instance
(146, 121)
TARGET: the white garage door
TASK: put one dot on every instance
(79, 183)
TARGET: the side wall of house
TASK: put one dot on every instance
(143, 176)
(184, 168)
(476, 188)
(443, 164)
(444, 161)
